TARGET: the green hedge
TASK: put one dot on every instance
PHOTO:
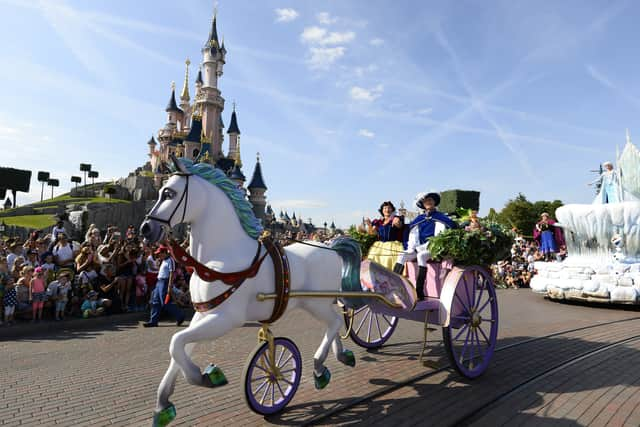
(452, 200)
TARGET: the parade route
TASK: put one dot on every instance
(555, 364)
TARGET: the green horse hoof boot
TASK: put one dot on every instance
(347, 357)
(164, 417)
(214, 377)
(323, 380)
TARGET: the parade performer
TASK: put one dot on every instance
(549, 237)
(609, 181)
(161, 297)
(425, 226)
(390, 229)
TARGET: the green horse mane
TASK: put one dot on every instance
(243, 208)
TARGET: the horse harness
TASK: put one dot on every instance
(235, 279)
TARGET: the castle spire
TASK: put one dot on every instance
(185, 87)
(233, 126)
(213, 33)
(172, 106)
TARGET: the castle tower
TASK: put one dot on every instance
(191, 143)
(257, 188)
(209, 100)
(234, 135)
(185, 105)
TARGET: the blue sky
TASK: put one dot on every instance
(349, 103)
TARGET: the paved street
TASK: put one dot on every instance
(109, 375)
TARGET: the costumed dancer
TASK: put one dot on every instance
(425, 226)
(161, 298)
(391, 230)
(549, 237)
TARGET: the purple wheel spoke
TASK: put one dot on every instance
(461, 317)
(466, 291)
(259, 378)
(261, 368)
(280, 357)
(378, 326)
(273, 395)
(264, 383)
(280, 389)
(369, 327)
(464, 306)
(288, 370)
(484, 335)
(485, 304)
(362, 321)
(287, 381)
(386, 320)
(286, 361)
(481, 351)
(466, 325)
(464, 346)
(264, 395)
(472, 345)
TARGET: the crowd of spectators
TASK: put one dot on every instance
(519, 268)
(51, 277)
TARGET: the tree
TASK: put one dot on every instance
(521, 214)
(43, 177)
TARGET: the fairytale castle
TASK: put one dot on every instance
(195, 130)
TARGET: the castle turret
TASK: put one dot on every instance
(152, 145)
(234, 134)
(192, 144)
(209, 100)
(257, 188)
(173, 112)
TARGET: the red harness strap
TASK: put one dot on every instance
(209, 274)
(236, 279)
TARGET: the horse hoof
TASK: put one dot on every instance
(347, 357)
(164, 417)
(214, 377)
(322, 380)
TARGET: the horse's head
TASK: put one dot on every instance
(173, 206)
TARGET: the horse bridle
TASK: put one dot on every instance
(185, 197)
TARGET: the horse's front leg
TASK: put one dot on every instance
(210, 327)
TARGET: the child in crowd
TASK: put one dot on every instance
(141, 291)
(58, 292)
(37, 294)
(23, 288)
(90, 306)
(48, 266)
(10, 300)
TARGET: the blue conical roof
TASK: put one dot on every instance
(172, 106)
(257, 181)
(233, 126)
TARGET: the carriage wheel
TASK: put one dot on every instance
(267, 392)
(370, 329)
(471, 336)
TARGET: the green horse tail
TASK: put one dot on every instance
(349, 251)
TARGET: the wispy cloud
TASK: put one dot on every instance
(323, 37)
(325, 18)
(366, 133)
(321, 58)
(358, 93)
(424, 111)
(376, 42)
(599, 77)
(286, 15)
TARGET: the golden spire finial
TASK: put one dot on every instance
(185, 87)
(258, 156)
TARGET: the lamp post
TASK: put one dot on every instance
(85, 167)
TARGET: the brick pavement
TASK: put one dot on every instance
(110, 375)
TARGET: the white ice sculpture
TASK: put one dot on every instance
(603, 245)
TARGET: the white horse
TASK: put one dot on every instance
(224, 235)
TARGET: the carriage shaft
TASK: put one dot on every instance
(329, 294)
